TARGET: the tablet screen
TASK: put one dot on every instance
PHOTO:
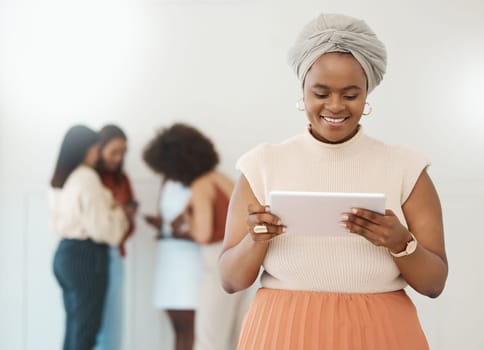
(319, 213)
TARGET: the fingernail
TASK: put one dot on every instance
(279, 222)
(268, 209)
(354, 211)
(283, 229)
(344, 217)
(343, 224)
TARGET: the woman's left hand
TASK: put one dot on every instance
(381, 230)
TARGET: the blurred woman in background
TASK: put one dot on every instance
(187, 160)
(84, 215)
(178, 264)
(112, 149)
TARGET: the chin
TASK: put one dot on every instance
(333, 133)
(332, 136)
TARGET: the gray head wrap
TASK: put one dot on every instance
(339, 33)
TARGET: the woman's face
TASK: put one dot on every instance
(113, 153)
(334, 95)
(92, 156)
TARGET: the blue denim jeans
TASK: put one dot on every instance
(111, 334)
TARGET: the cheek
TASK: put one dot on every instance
(117, 158)
(107, 156)
(93, 156)
(357, 107)
(312, 104)
(114, 158)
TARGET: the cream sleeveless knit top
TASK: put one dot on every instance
(361, 164)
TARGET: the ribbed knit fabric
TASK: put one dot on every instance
(362, 164)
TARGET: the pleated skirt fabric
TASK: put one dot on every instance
(303, 320)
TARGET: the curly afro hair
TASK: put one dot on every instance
(181, 153)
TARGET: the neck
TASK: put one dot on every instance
(322, 139)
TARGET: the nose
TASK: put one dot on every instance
(335, 104)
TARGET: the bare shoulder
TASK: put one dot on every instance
(423, 197)
(206, 183)
(203, 184)
(224, 182)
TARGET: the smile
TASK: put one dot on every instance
(334, 121)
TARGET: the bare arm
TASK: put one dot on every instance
(244, 251)
(426, 269)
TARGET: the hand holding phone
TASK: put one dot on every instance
(130, 209)
(155, 221)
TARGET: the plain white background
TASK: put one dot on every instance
(221, 65)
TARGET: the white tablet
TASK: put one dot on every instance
(319, 213)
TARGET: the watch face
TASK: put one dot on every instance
(411, 247)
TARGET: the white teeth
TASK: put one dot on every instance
(334, 120)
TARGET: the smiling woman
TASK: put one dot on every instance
(335, 96)
(349, 289)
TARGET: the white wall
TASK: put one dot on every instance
(221, 66)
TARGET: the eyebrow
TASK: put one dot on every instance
(350, 87)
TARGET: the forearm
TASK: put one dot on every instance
(239, 266)
(424, 271)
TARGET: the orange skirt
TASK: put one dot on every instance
(300, 320)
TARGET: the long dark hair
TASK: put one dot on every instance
(108, 133)
(181, 153)
(75, 145)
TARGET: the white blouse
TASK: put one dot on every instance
(85, 209)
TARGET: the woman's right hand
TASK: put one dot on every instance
(155, 221)
(260, 216)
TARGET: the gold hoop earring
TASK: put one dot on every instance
(370, 109)
(300, 105)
